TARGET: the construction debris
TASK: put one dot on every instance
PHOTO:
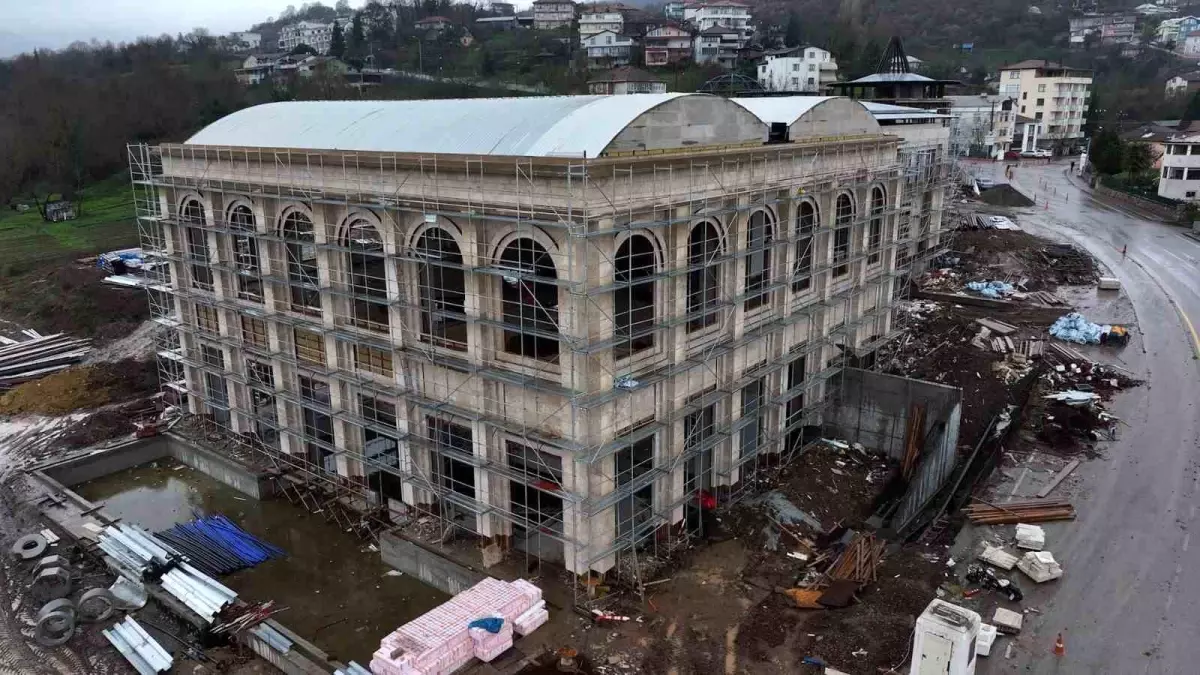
(987, 637)
(1040, 566)
(996, 326)
(992, 289)
(994, 555)
(860, 559)
(142, 651)
(39, 356)
(1030, 537)
(1058, 478)
(1008, 621)
(1039, 511)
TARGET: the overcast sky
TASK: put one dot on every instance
(29, 24)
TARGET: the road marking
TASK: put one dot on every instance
(1187, 322)
(1193, 514)
(1190, 327)
(1187, 539)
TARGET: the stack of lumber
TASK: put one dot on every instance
(858, 562)
(38, 356)
(1036, 511)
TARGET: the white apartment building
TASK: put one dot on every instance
(314, 34)
(674, 10)
(553, 14)
(798, 69)
(982, 125)
(705, 15)
(1052, 94)
(599, 18)
(1180, 177)
(608, 49)
(665, 45)
(248, 40)
(719, 45)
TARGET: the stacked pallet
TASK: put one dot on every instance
(442, 641)
(860, 559)
(38, 356)
(1036, 511)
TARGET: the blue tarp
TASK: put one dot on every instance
(1074, 328)
(991, 289)
(491, 624)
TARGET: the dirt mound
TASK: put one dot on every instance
(68, 298)
(83, 387)
(1005, 195)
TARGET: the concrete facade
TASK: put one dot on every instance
(553, 14)
(1052, 94)
(595, 344)
(802, 69)
(1179, 177)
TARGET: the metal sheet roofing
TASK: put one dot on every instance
(544, 126)
(887, 111)
(785, 109)
(881, 78)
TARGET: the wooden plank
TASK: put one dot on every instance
(1058, 478)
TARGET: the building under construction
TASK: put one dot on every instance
(568, 325)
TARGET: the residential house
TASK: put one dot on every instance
(433, 23)
(674, 10)
(1191, 44)
(1052, 93)
(1154, 135)
(1180, 173)
(503, 8)
(719, 45)
(667, 44)
(1151, 9)
(608, 49)
(1108, 29)
(312, 33)
(499, 22)
(1175, 31)
(599, 18)
(705, 15)
(626, 80)
(311, 65)
(258, 68)
(246, 40)
(983, 125)
(804, 69)
(1183, 85)
(553, 14)
(525, 18)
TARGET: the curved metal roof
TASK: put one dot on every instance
(786, 109)
(541, 126)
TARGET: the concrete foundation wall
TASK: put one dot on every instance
(873, 409)
(433, 569)
(84, 468)
(90, 466)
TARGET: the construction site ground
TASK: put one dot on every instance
(715, 607)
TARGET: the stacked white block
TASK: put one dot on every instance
(532, 619)
(439, 642)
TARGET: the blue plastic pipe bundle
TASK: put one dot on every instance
(217, 546)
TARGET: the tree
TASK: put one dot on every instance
(1138, 159)
(301, 49)
(793, 34)
(342, 7)
(1192, 112)
(1107, 154)
(337, 41)
(356, 46)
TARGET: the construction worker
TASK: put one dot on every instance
(1124, 250)
(1072, 166)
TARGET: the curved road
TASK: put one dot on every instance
(1129, 600)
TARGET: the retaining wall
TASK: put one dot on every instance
(1170, 214)
(429, 566)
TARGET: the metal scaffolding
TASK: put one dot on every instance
(575, 359)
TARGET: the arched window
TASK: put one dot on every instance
(301, 252)
(758, 258)
(704, 275)
(844, 217)
(633, 300)
(806, 225)
(192, 215)
(530, 300)
(366, 267)
(442, 292)
(245, 253)
(875, 231)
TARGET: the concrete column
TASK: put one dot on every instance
(736, 236)
(476, 286)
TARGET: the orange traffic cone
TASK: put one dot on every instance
(1060, 649)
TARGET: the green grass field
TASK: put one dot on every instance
(105, 223)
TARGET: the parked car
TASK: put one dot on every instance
(1038, 153)
(1012, 154)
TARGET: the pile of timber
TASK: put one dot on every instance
(38, 356)
(860, 559)
(1036, 511)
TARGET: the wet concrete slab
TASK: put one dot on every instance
(338, 592)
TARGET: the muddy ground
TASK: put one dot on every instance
(68, 297)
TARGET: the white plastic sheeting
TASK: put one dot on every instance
(538, 126)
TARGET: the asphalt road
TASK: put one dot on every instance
(1129, 600)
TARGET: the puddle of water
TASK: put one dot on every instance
(336, 590)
